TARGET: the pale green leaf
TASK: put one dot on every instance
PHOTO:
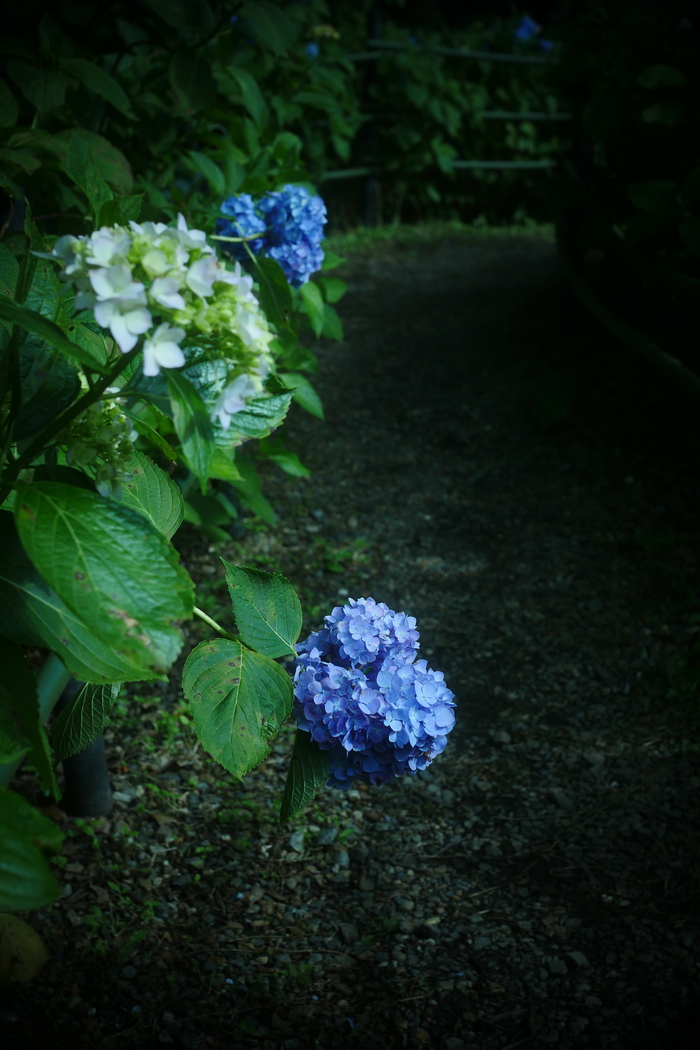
(193, 424)
(313, 305)
(266, 608)
(303, 392)
(149, 490)
(100, 81)
(111, 567)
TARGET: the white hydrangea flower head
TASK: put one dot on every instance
(233, 398)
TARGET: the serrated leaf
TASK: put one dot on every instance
(313, 305)
(31, 613)
(80, 169)
(266, 608)
(252, 95)
(148, 490)
(110, 567)
(82, 719)
(239, 700)
(26, 880)
(49, 384)
(44, 88)
(98, 80)
(18, 699)
(193, 424)
(308, 771)
(121, 210)
(303, 392)
(260, 416)
(110, 164)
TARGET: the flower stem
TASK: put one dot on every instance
(217, 627)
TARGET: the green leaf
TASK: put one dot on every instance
(267, 609)
(333, 288)
(331, 261)
(210, 170)
(121, 210)
(110, 567)
(308, 771)
(303, 392)
(9, 107)
(109, 162)
(332, 325)
(9, 269)
(654, 195)
(193, 424)
(252, 96)
(290, 463)
(275, 294)
(49, 384)
(26, 880)
(223, 467)
(260, 416)
(46, 330)
(313, 305)
(660, 76)
(239, 701)
(98, 80)
(44, 88)
(249, 491)
(192, 79)
(82, 719)
(152, 493)
(32, 614)
(81, 170)
(269, 25)
(18, 699)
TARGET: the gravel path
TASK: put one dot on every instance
(538, 885)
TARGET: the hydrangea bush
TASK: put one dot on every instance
(363, 697)
(286, 225)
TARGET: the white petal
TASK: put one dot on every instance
(165, 290)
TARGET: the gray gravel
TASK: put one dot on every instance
(537, 886)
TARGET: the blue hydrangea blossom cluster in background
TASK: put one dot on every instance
(287, 225)
(527, 28)
(365, 698)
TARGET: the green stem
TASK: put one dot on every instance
(76, 409)
(217, 627)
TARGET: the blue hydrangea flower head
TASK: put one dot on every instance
(364, 697)
(242, 221)
(526, 28)
(312, 50)
(295, 221)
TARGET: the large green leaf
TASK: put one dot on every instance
(654, 195)
(210, 170)
(248, 488)
(44, 88)
(32, 614)
(82, 719)
(152, 493)
(111, 567)
(98, 80)
(252, 95)
(26, 880)
(266, 607)
(9, 268)
(193, 424)
(18, 699)
(239, 700)
(109, 163)
(270, 26)
(308, 771)
(9, 109)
